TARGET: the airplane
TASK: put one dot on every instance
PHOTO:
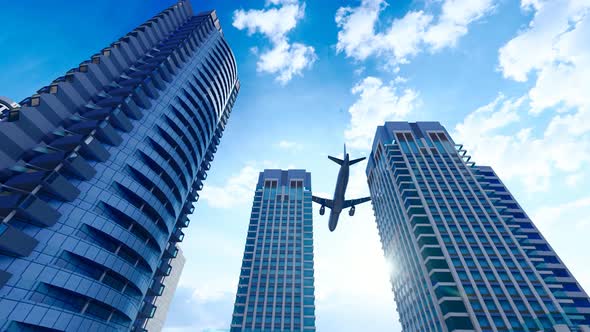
(339, 203)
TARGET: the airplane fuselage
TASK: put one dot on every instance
(341, 184)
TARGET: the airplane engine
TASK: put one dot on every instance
(351, 211)
(322, 210)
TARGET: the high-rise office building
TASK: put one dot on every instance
(276, 287)
(99, 170)
(465, 255)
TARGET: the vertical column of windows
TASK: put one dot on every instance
(416, 158)
(479, 216)
(436, 268)
(444, 205)
(416, 311)
(473, 244)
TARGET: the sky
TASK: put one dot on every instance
(508, 79)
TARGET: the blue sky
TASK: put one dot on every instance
(507, 78)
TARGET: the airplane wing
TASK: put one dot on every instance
(354, 161)
(352, 202)
(323, 201)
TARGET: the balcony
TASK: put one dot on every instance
(416, 210)
(92, 149)
(441, 276)
(183, 221)
(177, 235)
(444, 291)
(171, 251)
(431, 251)
(147, 310)
(33, 210)
(458, 322)
(58, 186)
(428, 239)
(164, 269)
(422, 229)
(436, 263)
(78, 167)
(156, 288)
(14, 242)
(454, 305)
(409, 193)
(47, 161)
(417, 221)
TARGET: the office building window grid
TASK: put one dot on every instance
(455, 235)
(276, 287)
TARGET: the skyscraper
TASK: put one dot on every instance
(465, 255)
(100, 169)
(276, 287)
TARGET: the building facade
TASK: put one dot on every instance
(465, 256)
(156, 323)
(276, 286)
(99, 171)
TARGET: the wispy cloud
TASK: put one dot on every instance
(493, 134)
(289, 145)
(284, 59)
(407, 36)
(377, 102)
(238, 189)
(553, 47)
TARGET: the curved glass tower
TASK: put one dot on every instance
(99, 170)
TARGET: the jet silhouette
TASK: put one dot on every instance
(339, 203)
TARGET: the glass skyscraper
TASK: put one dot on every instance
(465, 255)
(99, 171)
(276, 287)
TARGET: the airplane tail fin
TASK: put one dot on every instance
(344, 155)
(336, 160)
(354, 161)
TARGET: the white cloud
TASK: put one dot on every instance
(554, 46)
(377, 103)
(238, 189)
(575, 179)
(491, 135)
(452, 24)
(407, 36)
(563, 225)
(289, 145)
(284, 59)
(565, 214)
(274, 23)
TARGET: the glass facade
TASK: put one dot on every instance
(99, 171)
(276, 287)
(465, 255)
